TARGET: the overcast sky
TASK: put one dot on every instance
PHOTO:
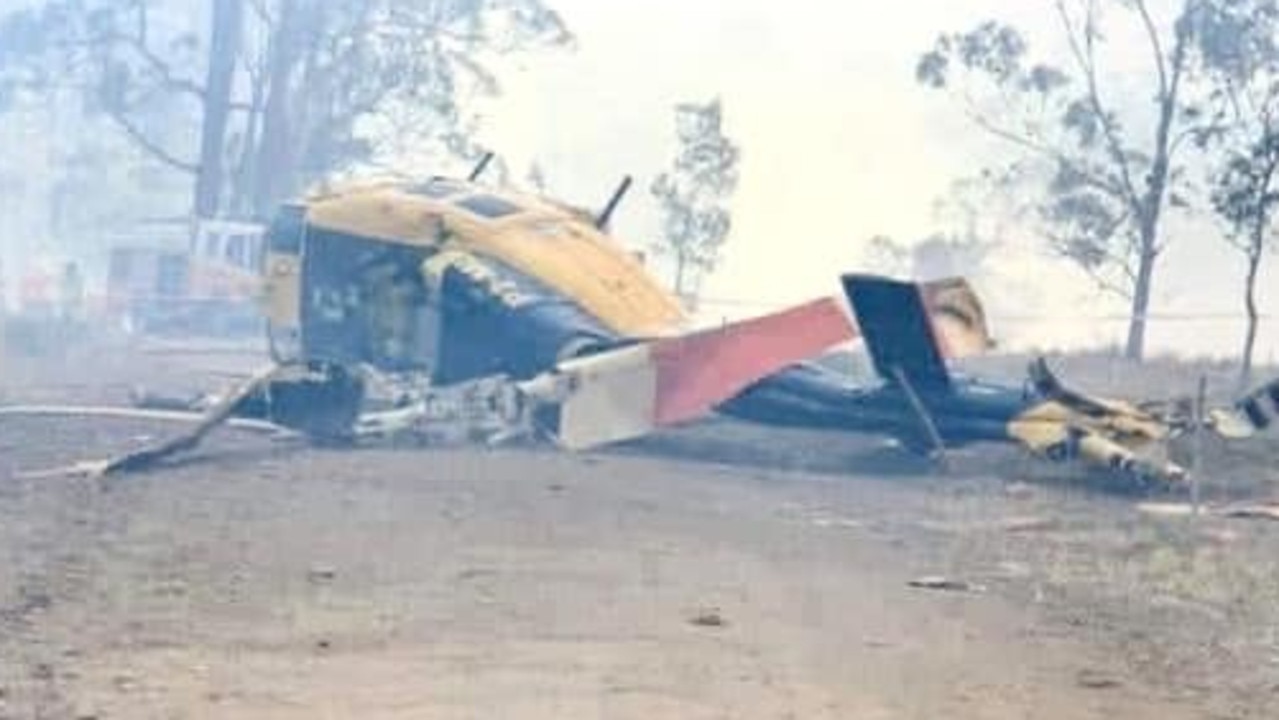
(838, 143)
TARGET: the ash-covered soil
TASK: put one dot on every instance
(716, 571)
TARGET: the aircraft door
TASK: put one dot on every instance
(281, 268)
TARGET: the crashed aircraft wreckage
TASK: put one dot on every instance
(452, 312)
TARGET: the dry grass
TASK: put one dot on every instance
(1191, 603)
(1108, 372)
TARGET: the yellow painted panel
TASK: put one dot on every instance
(1043, 424)
(582, 263)
(547, 242)
(282, 289)
(381, 213)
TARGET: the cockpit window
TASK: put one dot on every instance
(489, 206)
(437, 188)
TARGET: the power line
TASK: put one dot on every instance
(1034, 317)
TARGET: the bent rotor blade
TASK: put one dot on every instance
(148, 456)
(626, 393)
(1047, 384)
(135, 413)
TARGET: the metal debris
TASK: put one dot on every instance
(708, 618)
(941, 582)
(1262, 511)
(1253, 512)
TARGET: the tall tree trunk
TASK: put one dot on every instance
(244, 175)
(1250, 304)
(224, 47)
(1151, 204)
(1256, 248)
(1135, 347)
(316, 108)
(1151, 212)
(274, 159)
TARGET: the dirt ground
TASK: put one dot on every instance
(720, 571)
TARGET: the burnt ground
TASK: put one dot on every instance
(717, 571)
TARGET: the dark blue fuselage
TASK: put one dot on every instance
(486, 335)
(494, 320)
(813, 396)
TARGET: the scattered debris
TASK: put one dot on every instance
(941, 582)
(1019, 491)
(1268, 511)
(124, 683)
(709, 618)
(31, 601)
(836, 521)
(1010, 569)
(1220, 536)
(473, 573)
(1264, 511)
(1096, 680)
(1166, 509)
(321, 573)
(1029, 524)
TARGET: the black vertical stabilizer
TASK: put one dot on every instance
(897, 330)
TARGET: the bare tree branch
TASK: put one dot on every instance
(1104, 184)
(159, 66)
(154, 149)
(263, 13)
(139, 44)
(1098, 276)
(1085, 58)
(1156, 47)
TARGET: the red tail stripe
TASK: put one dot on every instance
(696, 372)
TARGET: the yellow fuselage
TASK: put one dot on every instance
(557, 246)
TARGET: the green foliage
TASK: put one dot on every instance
(693, 195)
(1236, 38)
(1237, 44)
(1239, 52)
(1246, 190)
(1105, 186)
(402, 68)
(992, 48)
(320, 85)
(1102, 186)
(1091, 201)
